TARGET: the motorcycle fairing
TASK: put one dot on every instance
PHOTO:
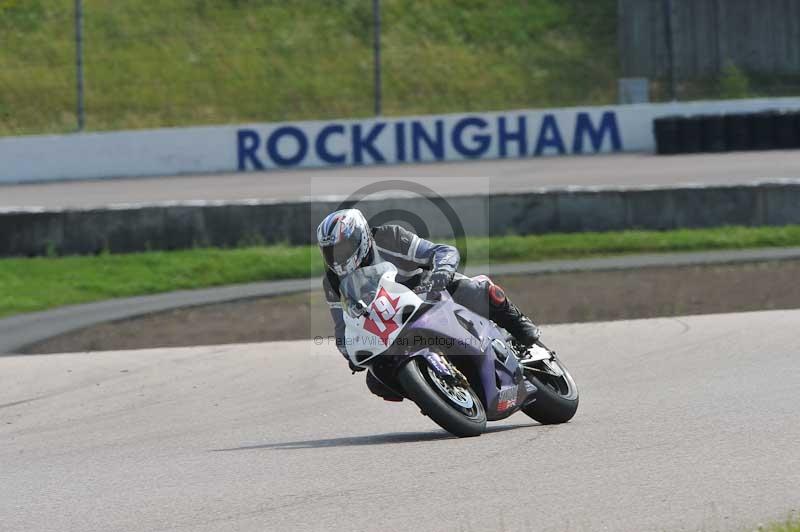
(373, 333)
(476, 341)
(405, 327)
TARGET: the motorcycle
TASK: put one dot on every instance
(457, 366)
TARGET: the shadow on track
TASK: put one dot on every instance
(377, 439)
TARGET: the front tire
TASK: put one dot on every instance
(456, 409)
(556, 396)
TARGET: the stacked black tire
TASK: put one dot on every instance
(766, 130)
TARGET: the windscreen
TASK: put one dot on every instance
(362, 285)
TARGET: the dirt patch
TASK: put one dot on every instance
(549, 299)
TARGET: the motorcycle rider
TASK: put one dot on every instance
(347, 242)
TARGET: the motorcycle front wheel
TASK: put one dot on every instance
(556, 395)
(456, 409)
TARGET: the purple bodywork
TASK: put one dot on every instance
(470, 342)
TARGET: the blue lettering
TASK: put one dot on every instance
(361, 143)
(400, 140)
(435, 143)
(482, 141)
(608, 125)
(321, 148)
(519, 136)
(247, 142)
(274, 139)
(549, 136)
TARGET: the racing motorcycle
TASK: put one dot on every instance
(457, 366)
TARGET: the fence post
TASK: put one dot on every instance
(722, 52)
(79, 64)
(376, 13)
(670, 37)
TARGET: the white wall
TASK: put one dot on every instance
(395, 140)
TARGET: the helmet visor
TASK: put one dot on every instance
(337, 256)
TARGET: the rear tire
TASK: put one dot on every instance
(455, 418)
(556, 397)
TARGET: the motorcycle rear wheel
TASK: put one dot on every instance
(456, 409)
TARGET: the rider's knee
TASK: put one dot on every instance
(496, 294)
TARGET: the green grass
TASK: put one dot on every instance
(579, 245)
(792, 524)
(33, 284)
(157, 63)
(40, 283)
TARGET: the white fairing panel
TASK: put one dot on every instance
(376, 330)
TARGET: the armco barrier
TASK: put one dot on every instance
(176, 226)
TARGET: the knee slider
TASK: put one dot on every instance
(497, 296)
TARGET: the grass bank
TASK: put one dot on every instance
(151, 63)
(28, 285)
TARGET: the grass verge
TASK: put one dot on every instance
(792, 524)
(32, 284)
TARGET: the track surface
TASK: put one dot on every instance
(503, 176)
(685, 424)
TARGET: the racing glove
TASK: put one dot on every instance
(441, 279)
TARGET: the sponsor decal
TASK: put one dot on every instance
(507, 398)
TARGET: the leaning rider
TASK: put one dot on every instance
(347, 242)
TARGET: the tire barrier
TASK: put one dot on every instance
(713, 133)
(738, 134)
(787, 130)
(691, 134)
(667, 135)
(766, 130)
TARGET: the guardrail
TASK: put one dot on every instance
(180, 226)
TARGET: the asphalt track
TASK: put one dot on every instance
(685, 424)
(474, 177)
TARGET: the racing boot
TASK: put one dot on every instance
(381, 390)
(506, 314)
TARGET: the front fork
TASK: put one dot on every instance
(443, 367)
